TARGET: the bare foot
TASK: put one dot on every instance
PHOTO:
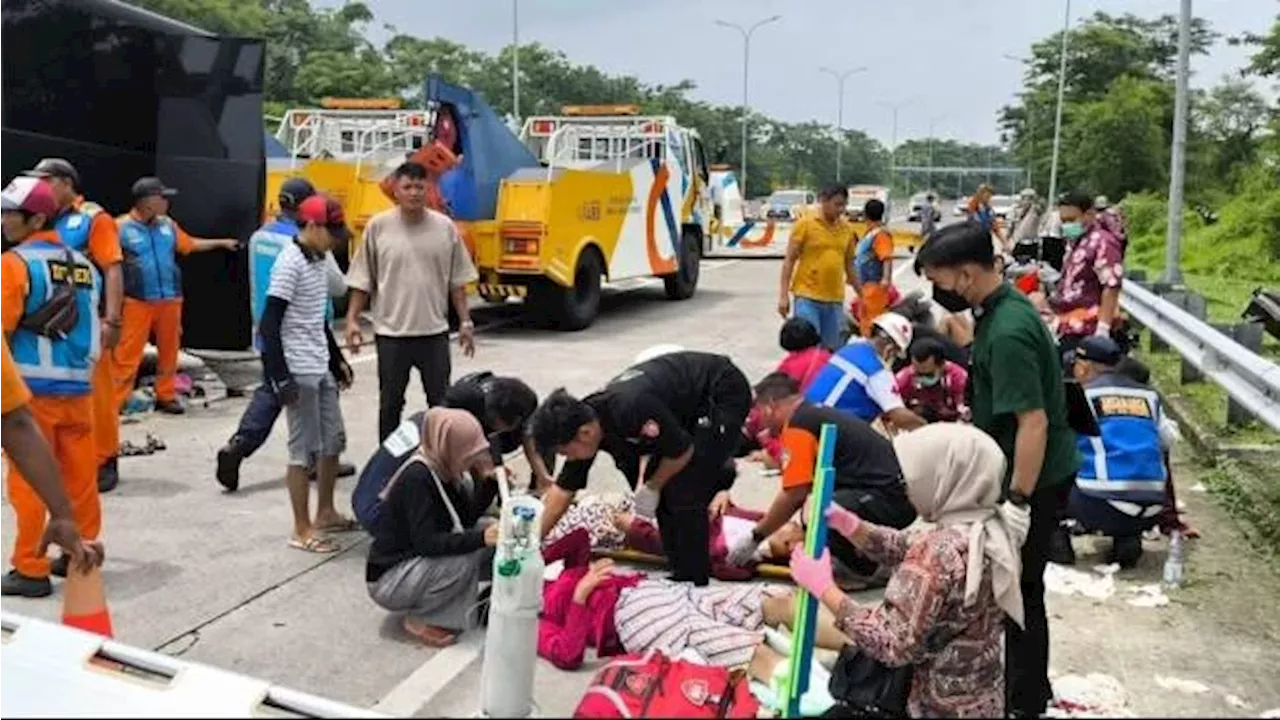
(428, 634)
(333, 521)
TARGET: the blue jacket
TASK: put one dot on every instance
(73, 227)
(870, 268)
(150, 250)
(58, 367)
(1126, 462)
(856, 381)
(265, 246)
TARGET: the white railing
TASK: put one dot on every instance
(352, 135)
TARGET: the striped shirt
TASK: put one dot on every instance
(301, 282)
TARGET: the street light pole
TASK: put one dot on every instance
(893, 137)
(1057, 121)
(840, 78)
(1178, 156)
(515, 60)
(746, 67)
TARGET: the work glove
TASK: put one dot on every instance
(744, 551)
(812, 575)
(842, 521)
(287, 391)
(1017, 521)
(646, 501)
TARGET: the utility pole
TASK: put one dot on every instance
(1057, 122)
(515, 60)
(840, 78)
(893, 138)
(1178, 157)
(746, 67)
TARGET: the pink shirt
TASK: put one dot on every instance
(802, 366)
(946, 398)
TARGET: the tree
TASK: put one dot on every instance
(1117, 144)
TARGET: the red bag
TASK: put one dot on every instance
(655, 686)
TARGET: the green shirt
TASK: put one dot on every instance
(1016, 367)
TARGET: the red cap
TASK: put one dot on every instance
(29, 194)
(324, 210)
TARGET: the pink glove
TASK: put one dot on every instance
(812, 575)
(842, 521)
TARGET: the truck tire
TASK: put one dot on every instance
(682, 284)
(572, 308)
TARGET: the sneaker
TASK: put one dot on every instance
(346, 469)
(1125, 552)
(170, 407)
(108, 476)
(229, 459)
(15, 583)
(1060, 550)
(58, 567)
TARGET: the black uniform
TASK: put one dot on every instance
(470, 393)
(660, 407)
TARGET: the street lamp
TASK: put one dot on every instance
(746, 65)
(933, 121)
(515, 60)
(893, 140)
(1057, 120)
(840, 78)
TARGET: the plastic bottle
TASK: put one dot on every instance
(1173, 564)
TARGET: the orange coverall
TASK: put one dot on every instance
(873, 297)
(104, 251)
(66, 422)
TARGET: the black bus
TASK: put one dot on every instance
(122, 92)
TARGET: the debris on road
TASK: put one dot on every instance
(1098, 584)
(1190, 687)
(1092, 695)
(1148, 596)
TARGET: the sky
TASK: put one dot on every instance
(944, 58)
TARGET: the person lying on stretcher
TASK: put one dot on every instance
(614, 525)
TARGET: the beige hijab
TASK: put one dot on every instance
(450, 441)
(954, 474)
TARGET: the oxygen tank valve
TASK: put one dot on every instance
(511, 641)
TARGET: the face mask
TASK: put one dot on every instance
(928, 380)
(950, 300)
(1072, 230)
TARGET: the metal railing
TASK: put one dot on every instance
(1251, 381)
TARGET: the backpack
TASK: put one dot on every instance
(396, 454)
(655, 686)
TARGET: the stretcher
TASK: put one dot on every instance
(764, 570)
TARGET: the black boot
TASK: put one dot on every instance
(15, 583)
(346, 469)
(171, 407)
(229, 458)
(1125, 551)
(58, 568)
(108, 476)
(1060, 550)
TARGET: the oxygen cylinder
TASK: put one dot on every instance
(511, 642)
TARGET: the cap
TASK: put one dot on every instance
(1101, 202)
(897, 328)
(326, 211)
(148, 186)
(55, 167)
(29, 194)
(1099, 349)
(1028, 192)
(293, 191)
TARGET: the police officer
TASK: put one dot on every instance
(503, 405)
(1120, 490)
(50, 314)
(89, 230)
(264, 407)
(684, 412)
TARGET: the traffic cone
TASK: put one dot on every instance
(84, 602)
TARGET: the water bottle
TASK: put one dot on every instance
(1173, 564)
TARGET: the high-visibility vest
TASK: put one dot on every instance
(58, 366)
(150, 250)
(1126, 461)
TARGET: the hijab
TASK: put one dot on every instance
(954, 474)
(450, 441)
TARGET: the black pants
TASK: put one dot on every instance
(1026, 657)
(396, 357)
(258, 419)
(882, 506)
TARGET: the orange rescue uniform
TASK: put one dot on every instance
(873, 297)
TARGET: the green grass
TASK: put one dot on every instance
(1205, 402)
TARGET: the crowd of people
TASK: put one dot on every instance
(954, 410)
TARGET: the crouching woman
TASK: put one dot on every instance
(431, 547)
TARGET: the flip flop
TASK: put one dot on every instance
(346, 524)
(314, 544)
(429, 635)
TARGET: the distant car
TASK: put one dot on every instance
(787, 204)
(918, 201)
(859, 195)
(961, 207)
(1003, 205)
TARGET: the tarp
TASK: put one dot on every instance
(272, 147)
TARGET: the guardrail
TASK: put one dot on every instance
(1251, 381)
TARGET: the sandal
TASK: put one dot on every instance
(429, 635)
(314, 544)
(344, 524)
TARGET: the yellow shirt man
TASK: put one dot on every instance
(817, 266)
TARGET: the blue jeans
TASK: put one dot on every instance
(255, 424)
(827, 317)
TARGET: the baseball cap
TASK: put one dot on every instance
(148, 186)
(55, 167)
(293, 191)
(29, 194)
(326, 211)
(1099, 349)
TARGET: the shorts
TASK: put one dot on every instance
(315, 420)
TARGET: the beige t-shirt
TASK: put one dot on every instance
(414, 265)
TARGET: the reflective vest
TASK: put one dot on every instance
(150, 258)
(869, 267)
(265, 246)
(60, 367)
(73, 227)
(1126, 462)
(842, 382)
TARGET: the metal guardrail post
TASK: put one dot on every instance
(1249, 335)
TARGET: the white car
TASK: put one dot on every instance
(961, 207)
(1003, 206)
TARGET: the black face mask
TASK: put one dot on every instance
(950, 300)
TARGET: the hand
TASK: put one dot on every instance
(110, 334)
(743, 552)
(467, 338)
(1103, 329)
(354, 338)
(491, 535)
(1017, 520)
(718, 505)
(287, 391)
(842, 521)
(229, 244)
(812, 575)
(784, 306)
(600, 570)
(646, 501)
(346, 376)
(63, 532)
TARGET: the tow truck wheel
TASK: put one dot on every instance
(684, 282)
(572, 308)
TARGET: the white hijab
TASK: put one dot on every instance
(954, 474)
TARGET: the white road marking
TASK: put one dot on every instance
(434, 675)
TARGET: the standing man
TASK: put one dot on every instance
(264, 408)
(682, 410)
(50, 313)
(411, 265)
(818, 265)
(152, 242)
(89, 230)
(1087, 299)
(873, 267)
(927, 221)
(1018, 399)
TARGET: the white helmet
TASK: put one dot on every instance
(897, 328)
(1101, 202)
(1028, 193)
(653, 352)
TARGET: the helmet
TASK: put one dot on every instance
(653, 352)
(1101, 202)
(1028, 193)
(897, 328)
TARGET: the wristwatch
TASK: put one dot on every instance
(756, 536)
(1017, 498)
